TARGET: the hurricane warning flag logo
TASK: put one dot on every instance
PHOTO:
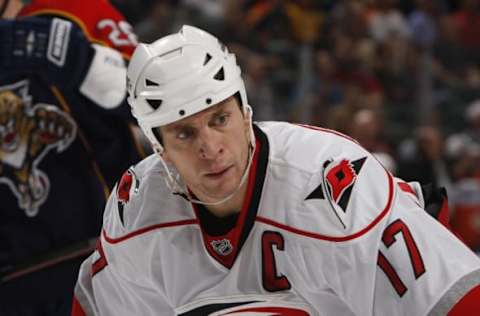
(27, 133)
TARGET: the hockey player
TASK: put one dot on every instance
(231, 217)
(65, 136)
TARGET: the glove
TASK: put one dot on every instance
(55, 49)
(434, 199)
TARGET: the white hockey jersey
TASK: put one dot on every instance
(324, 230)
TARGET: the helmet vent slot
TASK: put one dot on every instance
(155, 104)
(220, 75)
(150, 83)
(207, 59)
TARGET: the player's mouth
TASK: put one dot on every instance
(218, 174)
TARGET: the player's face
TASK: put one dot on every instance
(209, 149)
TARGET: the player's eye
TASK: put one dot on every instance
(220, 119)
(184, 134)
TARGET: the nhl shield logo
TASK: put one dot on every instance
(222, 247)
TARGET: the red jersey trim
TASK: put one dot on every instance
(147, 229)
(468, 304)
(77, 309)
(101, 262)
(360, 233)
(326, 130)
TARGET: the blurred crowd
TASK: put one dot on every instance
(400, 76)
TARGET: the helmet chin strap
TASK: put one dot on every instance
(174, 185)
(178, 190)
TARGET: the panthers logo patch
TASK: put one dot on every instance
(27, 133)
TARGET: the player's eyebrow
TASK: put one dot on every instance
(177, 126)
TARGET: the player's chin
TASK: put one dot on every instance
(219, 192)
(221, 189)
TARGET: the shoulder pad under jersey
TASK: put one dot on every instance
(339, 189)
(141, 199)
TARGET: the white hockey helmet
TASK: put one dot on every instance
(179, 75)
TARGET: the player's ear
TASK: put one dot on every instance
(162, 149)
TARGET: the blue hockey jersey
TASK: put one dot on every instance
(63, 142)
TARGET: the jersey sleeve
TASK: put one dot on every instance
(103, 25)
(467, 305)
(421, 266)
(390, 257)
(102, 291)
(117, 278)
(56, 49)
(109, 40)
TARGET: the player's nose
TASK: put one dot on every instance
(210, 145)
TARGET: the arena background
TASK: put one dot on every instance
(400, 76)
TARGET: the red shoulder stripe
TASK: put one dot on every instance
(147, 229)
(331, 131)
(333, 238)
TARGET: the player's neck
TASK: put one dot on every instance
(13, 8)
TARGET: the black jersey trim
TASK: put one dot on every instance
(209, 309)
(258, 185)
(254, 193)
